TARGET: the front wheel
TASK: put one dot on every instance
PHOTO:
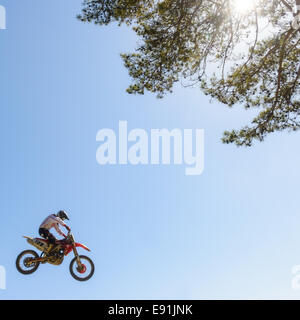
(24, 262)
(87, 270)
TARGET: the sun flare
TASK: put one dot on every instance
(243, 6)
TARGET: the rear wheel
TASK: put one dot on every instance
(87, 270)
(24, 262)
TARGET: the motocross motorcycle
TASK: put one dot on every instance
(81, 267)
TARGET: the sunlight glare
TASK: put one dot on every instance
(243, 6)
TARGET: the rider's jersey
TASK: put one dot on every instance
(53, 221)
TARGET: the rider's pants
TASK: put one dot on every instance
(47, 235)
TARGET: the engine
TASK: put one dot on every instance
(57, 256)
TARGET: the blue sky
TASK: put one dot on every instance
(231, 233)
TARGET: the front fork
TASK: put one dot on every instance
(79, 264)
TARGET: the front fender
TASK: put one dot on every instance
(82, 246)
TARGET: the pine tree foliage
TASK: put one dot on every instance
(249, 59)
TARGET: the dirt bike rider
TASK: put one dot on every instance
(54, 220)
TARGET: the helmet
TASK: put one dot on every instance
(62, 215)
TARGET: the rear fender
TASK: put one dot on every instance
(38, 243)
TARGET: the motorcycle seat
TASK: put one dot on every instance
(47, 241)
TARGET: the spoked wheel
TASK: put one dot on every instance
(87, 270)
(24, 262)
